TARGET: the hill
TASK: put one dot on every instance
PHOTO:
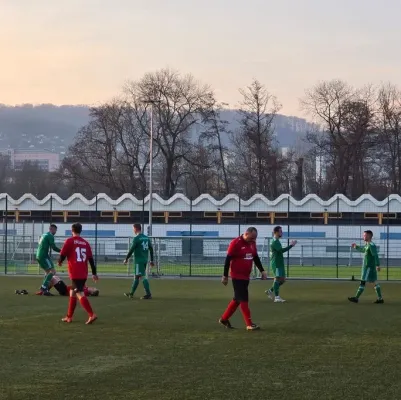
(38, 127)
(54, 127)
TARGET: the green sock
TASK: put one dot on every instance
(46, 281)
(135, 284)
(276, 288)
(378, 291)
(359, 291)
(280, 284)
(146, 286)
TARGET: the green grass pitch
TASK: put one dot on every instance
(315, 346)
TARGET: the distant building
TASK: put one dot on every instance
(44, 159)
(320, 168)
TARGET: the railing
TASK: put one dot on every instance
(315, 258)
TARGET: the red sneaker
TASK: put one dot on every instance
(67, 319)
(91, 319)
(40, 293)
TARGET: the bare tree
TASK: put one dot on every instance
(257, 161)
(216, 127)
(359, 127)
(5, 172)
(324, 102)
(202, 177)
(389, 136)
(346, 116)
(180, 104)
(30, 178)
(111, 151)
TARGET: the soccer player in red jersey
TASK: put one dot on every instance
(78, 253)
(241, 255)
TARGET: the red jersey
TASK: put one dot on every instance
(242, 254)
(78, 251)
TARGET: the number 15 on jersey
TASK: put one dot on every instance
(81, 254)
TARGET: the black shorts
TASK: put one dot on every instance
(240, 290)
(78, 285)
(62, 289)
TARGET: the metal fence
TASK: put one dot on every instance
(315, 258)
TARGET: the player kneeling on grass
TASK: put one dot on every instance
(277, 264)
(140, 248)
(64, 290)
(241, 255)
(46, 243)
(371, 264)
(78, 253)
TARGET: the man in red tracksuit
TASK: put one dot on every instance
(241, 255)
(78, 253)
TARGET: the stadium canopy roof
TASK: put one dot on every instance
(230, 203)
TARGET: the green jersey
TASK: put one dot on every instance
(276, 254)
(371, 258)
(46, 243)
(140, 248)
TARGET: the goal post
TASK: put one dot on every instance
(350, 257)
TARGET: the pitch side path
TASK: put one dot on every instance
(315, 346)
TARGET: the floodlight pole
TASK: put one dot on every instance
(151, 103)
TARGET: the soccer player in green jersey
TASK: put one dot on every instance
(371, 264)
(277, 264)
(46, 243)
(140, 248)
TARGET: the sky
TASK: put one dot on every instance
(83, 51)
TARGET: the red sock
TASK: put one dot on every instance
(246, 312)
(232, 307)
(86, 305)
(71, 306)
(86, 291)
